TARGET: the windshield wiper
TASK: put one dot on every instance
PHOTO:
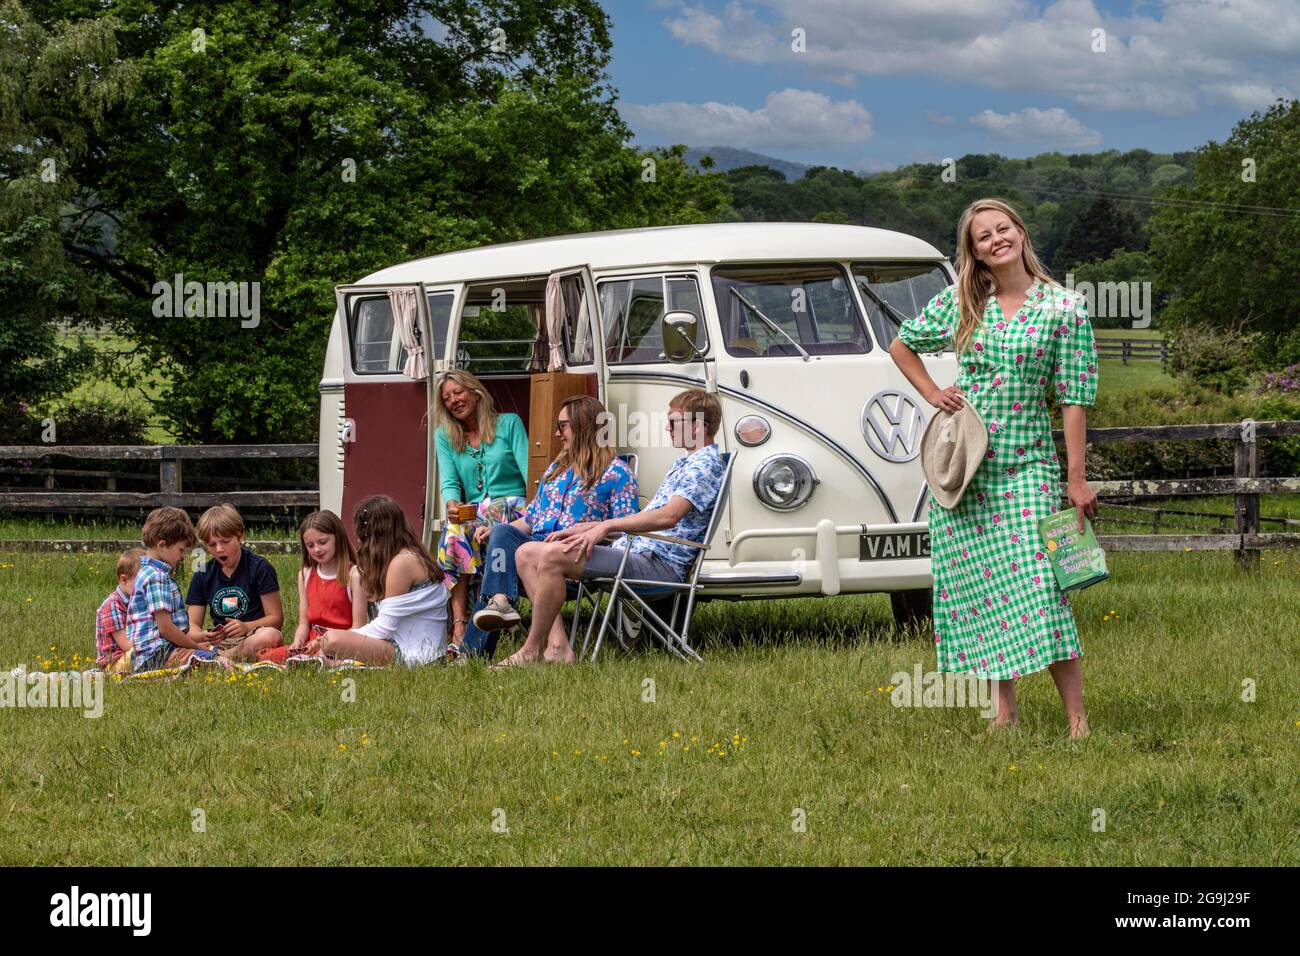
(769, 323)
(901, 318)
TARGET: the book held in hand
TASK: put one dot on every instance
(1077, 560)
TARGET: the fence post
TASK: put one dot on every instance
(1128, 350)
(1247, 506)
(170, 478)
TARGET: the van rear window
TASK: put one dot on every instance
(770, 310)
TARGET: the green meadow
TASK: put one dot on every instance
(784, 747)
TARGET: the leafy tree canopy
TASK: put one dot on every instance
(299, 146)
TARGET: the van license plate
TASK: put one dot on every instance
(882, 547)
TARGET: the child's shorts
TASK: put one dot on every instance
(227, 644)
(167, 656)
(122, 665)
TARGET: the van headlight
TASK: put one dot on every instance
(784, 482)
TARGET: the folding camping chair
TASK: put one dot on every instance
(628, 598)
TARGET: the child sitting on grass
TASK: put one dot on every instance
(411, 624)
(239, 587)
(112, 646)
(329, 586)
(157, 623)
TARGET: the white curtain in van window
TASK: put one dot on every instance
(405, 316)
(555, 324)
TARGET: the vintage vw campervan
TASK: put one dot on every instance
(788, 323)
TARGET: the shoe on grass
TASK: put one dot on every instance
(495, 616)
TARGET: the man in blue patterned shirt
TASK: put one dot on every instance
(681, 508)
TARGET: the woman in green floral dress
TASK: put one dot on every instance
(1021, 341)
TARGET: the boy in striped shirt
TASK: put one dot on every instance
(112, 646)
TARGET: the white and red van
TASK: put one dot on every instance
(791, 325)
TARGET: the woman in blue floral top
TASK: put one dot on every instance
(587, 482)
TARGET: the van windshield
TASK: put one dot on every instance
(768, 310)
(893, 292)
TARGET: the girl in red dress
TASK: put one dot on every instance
(329, 586)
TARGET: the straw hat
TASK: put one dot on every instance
(952, 448)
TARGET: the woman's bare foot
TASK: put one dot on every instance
(517, 659)
(566, 656)
(1079, 729)
(1002, 724)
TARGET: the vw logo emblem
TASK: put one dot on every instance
(892, 425)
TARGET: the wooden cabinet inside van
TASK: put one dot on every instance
(547, 392)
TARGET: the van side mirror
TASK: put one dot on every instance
(680, 331)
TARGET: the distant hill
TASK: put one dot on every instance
(728, 158)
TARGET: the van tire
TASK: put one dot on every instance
(911, 608)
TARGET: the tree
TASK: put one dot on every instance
(1229, 251)
(1102, 229)
(299, 146)
(54, 87)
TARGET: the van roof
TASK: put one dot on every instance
(733, 241)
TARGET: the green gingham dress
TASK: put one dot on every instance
(998, 612)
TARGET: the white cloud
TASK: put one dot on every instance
(1052, 127)
(1193, 55)
(1249, 97)
(789, 118)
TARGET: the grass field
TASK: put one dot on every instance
(791, 712)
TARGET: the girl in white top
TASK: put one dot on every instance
(411, 625)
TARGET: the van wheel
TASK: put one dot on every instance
(911, 608)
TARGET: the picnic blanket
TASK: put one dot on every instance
(239, 667)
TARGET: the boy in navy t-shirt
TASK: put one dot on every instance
(238, 588)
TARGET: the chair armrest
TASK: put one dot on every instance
(660, 536)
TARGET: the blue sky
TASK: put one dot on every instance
(881, 83)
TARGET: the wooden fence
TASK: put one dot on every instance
(1246, 486)
(171, 480)
(1127, 350)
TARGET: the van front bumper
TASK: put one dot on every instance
(822, 569)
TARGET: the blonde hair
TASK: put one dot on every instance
(128, 565)
(220, 521)
(486, 410)
(585, 455)
(975, 279)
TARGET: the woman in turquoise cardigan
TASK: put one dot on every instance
(482, 460)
